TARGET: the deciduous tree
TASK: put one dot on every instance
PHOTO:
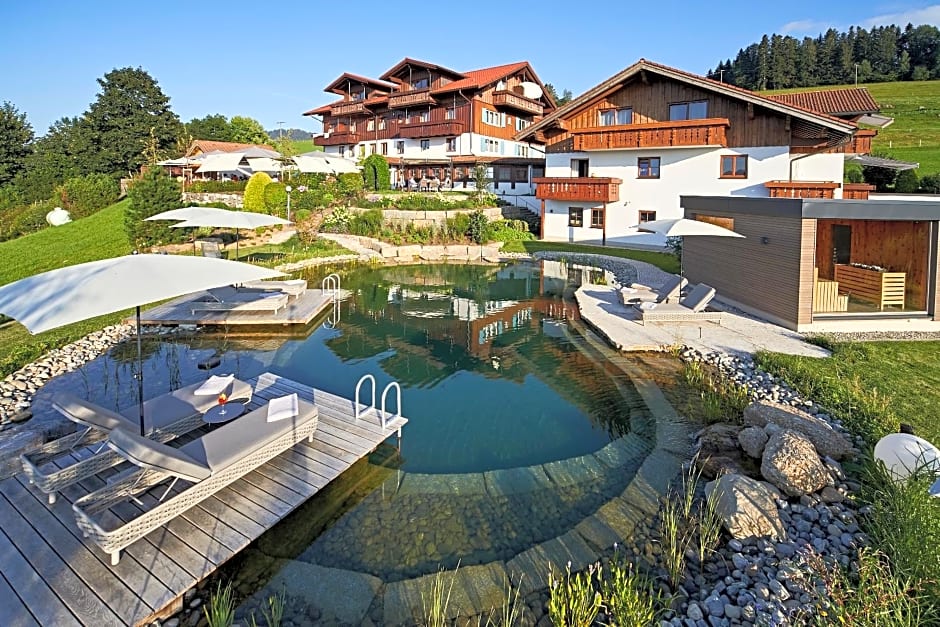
(213, 127)
(247, 131)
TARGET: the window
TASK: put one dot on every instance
(597, 218)
(575, 216)
(493, 118)
(520, 174)
(503, 173)
(734, 166)
(610, 117)
(424, 116)
(451, 144)
(371, 149)
(489, 145)
(647, 216)
(381, 124)
(342, 151)
(362, 150)
(450, 114)
(400, 147)
(370, 125)
(694, 110)
(420, 83)
(522, 124)
(647, 168)
(384, 148)
(522, 151)
(425, 144)
(352, 127)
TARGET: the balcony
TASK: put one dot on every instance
(336, 138)
(411, 98)
(355, 107)
(506, 98)
(672, 134)
(450, 128)
(801, 189)
(589, 189)
(856, 191)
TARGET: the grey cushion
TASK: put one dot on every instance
(87, 413)
(146, 453)
(698, 299)
(236, 439)
(671, 288)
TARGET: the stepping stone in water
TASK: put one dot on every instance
(583, 469)
(529, 570)
(516, 480)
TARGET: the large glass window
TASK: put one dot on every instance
(692, 110)
(420, 83)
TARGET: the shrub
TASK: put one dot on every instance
(510, 231)
(907, 182)
(853, 173)
(376, 173)
(930, 184)
(84, 195)
(368, 223)
(10, 197)
(460, 224)
(254, 192)
(25, 219)
(275, 198)
(153, 193)
(301, 215)
(478, 231)
(350, 185)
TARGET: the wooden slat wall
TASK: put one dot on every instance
(901, 246)
(769, 277)
(393, 122)
(651, 102)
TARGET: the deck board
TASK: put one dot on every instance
(298, 311)
(51, 575)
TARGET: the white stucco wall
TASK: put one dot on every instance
(683, 171)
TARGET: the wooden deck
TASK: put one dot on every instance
(51, 575)
(300, 310)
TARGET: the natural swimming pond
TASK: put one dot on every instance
(520, 425)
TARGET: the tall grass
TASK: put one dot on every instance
(220, 609)
(435, 603)
(630, 599)
(573, 598)
(720, 399)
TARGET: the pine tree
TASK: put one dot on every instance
(16, 135)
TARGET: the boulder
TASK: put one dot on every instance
(714, 466)
(825, 439)
(792, 464)
(718, 439)
(746, 507)
(752, 440)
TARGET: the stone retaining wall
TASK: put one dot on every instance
(231, 199)
(430, 218)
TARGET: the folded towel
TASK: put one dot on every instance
(215, 385)
(645, 306)
(283, 407)
(628, 290)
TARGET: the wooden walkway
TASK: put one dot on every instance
(51, 575)
(299, 310)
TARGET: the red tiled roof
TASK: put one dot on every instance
(205, 145)
(845, 101)
(483, 76)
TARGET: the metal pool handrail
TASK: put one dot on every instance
(393, 384)
(358, 413)
(331, 283)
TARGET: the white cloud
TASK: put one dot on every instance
(924, 15)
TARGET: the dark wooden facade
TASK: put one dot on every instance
(585, 189)
(801, 189)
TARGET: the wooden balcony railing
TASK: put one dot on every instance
(450, 128)
(589, 189)
(861, 141)
(801, 189)
(506, 98)
(410, 98)
(856, 191)
(673, 134)
(336, 138)
(348, 108)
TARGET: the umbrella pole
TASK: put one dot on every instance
(140, 377)
(236, 244)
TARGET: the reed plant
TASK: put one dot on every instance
(720, 399)
(436, 601)
(574, 600)
(272, 611)
(629, 598)
(220, 609)
(510, 612)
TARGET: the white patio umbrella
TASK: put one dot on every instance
(66, 295)
(222, 218)
(318, 161)
(684, 227)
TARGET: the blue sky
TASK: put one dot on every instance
(270, 61)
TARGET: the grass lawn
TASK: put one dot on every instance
(899, 380)
(665, 261)
(291, 251)
(96, 237)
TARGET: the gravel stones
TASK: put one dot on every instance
(790, 462)
(827, 441)
(746, 508)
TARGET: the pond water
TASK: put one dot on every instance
(503, 393)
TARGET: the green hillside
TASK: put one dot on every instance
(915, 133)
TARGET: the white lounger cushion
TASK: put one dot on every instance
(283, 407)
(214, 385)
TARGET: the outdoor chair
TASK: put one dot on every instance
(204, 466)
(689, 309)
(165, 418)
(665, 293)
(291, 287)
(211, 249)
(231, 299)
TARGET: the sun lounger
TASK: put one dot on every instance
(666, 293)
(165, 417)
(689, 309)
(230, 299)
(291, 287)
(204, 466)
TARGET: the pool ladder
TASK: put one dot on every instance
(331, 286)
(361, 409)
